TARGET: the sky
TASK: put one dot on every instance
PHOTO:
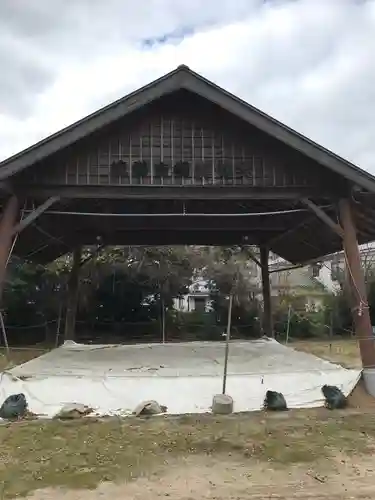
(308, 63)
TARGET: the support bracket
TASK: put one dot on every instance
(324, 217)
(31, 217)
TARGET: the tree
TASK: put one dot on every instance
(230, 271)
(32, 295)
(143, 278)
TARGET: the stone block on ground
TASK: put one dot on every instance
(222, 404)
(72, 411)
(149, 408)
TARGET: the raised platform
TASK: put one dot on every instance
(114, 379)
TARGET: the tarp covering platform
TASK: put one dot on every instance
(114, 379)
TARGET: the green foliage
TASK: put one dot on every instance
(31, 293)
(303, 325)
(196, 325)
(136, 285)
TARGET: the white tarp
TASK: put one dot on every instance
(114, 379)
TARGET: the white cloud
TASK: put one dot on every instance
(308, 63)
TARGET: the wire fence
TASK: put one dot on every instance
(151, 332)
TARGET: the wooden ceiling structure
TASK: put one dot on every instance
(247, 177)
(182, 161)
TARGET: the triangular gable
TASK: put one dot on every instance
(184, 78)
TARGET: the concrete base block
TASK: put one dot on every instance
(222, 404)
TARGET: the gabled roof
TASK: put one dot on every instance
(184, 78)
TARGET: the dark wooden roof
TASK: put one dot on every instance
(302, 238)
(184, 78)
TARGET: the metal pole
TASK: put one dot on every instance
(5, 338)
(288, 324)
(227, 342)
(163, 320)
(266, 288)
(58, 325)
(330, 331)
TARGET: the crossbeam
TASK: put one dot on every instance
(176, 192)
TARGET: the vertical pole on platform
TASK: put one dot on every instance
(288, 324)
(5, 337)
(162, 319)
(58, 327)
(227, 339)
(266, 287)
(72, 300)
(360, 309)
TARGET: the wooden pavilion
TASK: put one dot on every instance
(182, 161)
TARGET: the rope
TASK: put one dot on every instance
(363, 304)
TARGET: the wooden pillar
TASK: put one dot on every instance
(7, 223)
(72, 299)
(266, 287)
(360, 310)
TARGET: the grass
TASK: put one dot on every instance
(343, 351)
(18, 356)
(80, 454)
(83, 453)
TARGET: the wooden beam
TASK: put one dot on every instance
(73, 291)
(6, 187)
(253, 258)
(287, 268)
(7, 223)
(162, 225)
(266, 286)
(35, 214)
(287, 233)
(176, 192)
(360, 310)
(366, 221)
(323, 217)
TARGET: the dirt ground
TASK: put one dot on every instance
(208, 478)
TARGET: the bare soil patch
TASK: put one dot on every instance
(228, 479)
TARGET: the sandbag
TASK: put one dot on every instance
(15, 406)
(334, 398)
(275, 401)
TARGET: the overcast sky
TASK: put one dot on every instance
(308, 63)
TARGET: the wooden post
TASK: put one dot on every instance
(72, 300)
(360, 310)
(267, 307)
(7, 224)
